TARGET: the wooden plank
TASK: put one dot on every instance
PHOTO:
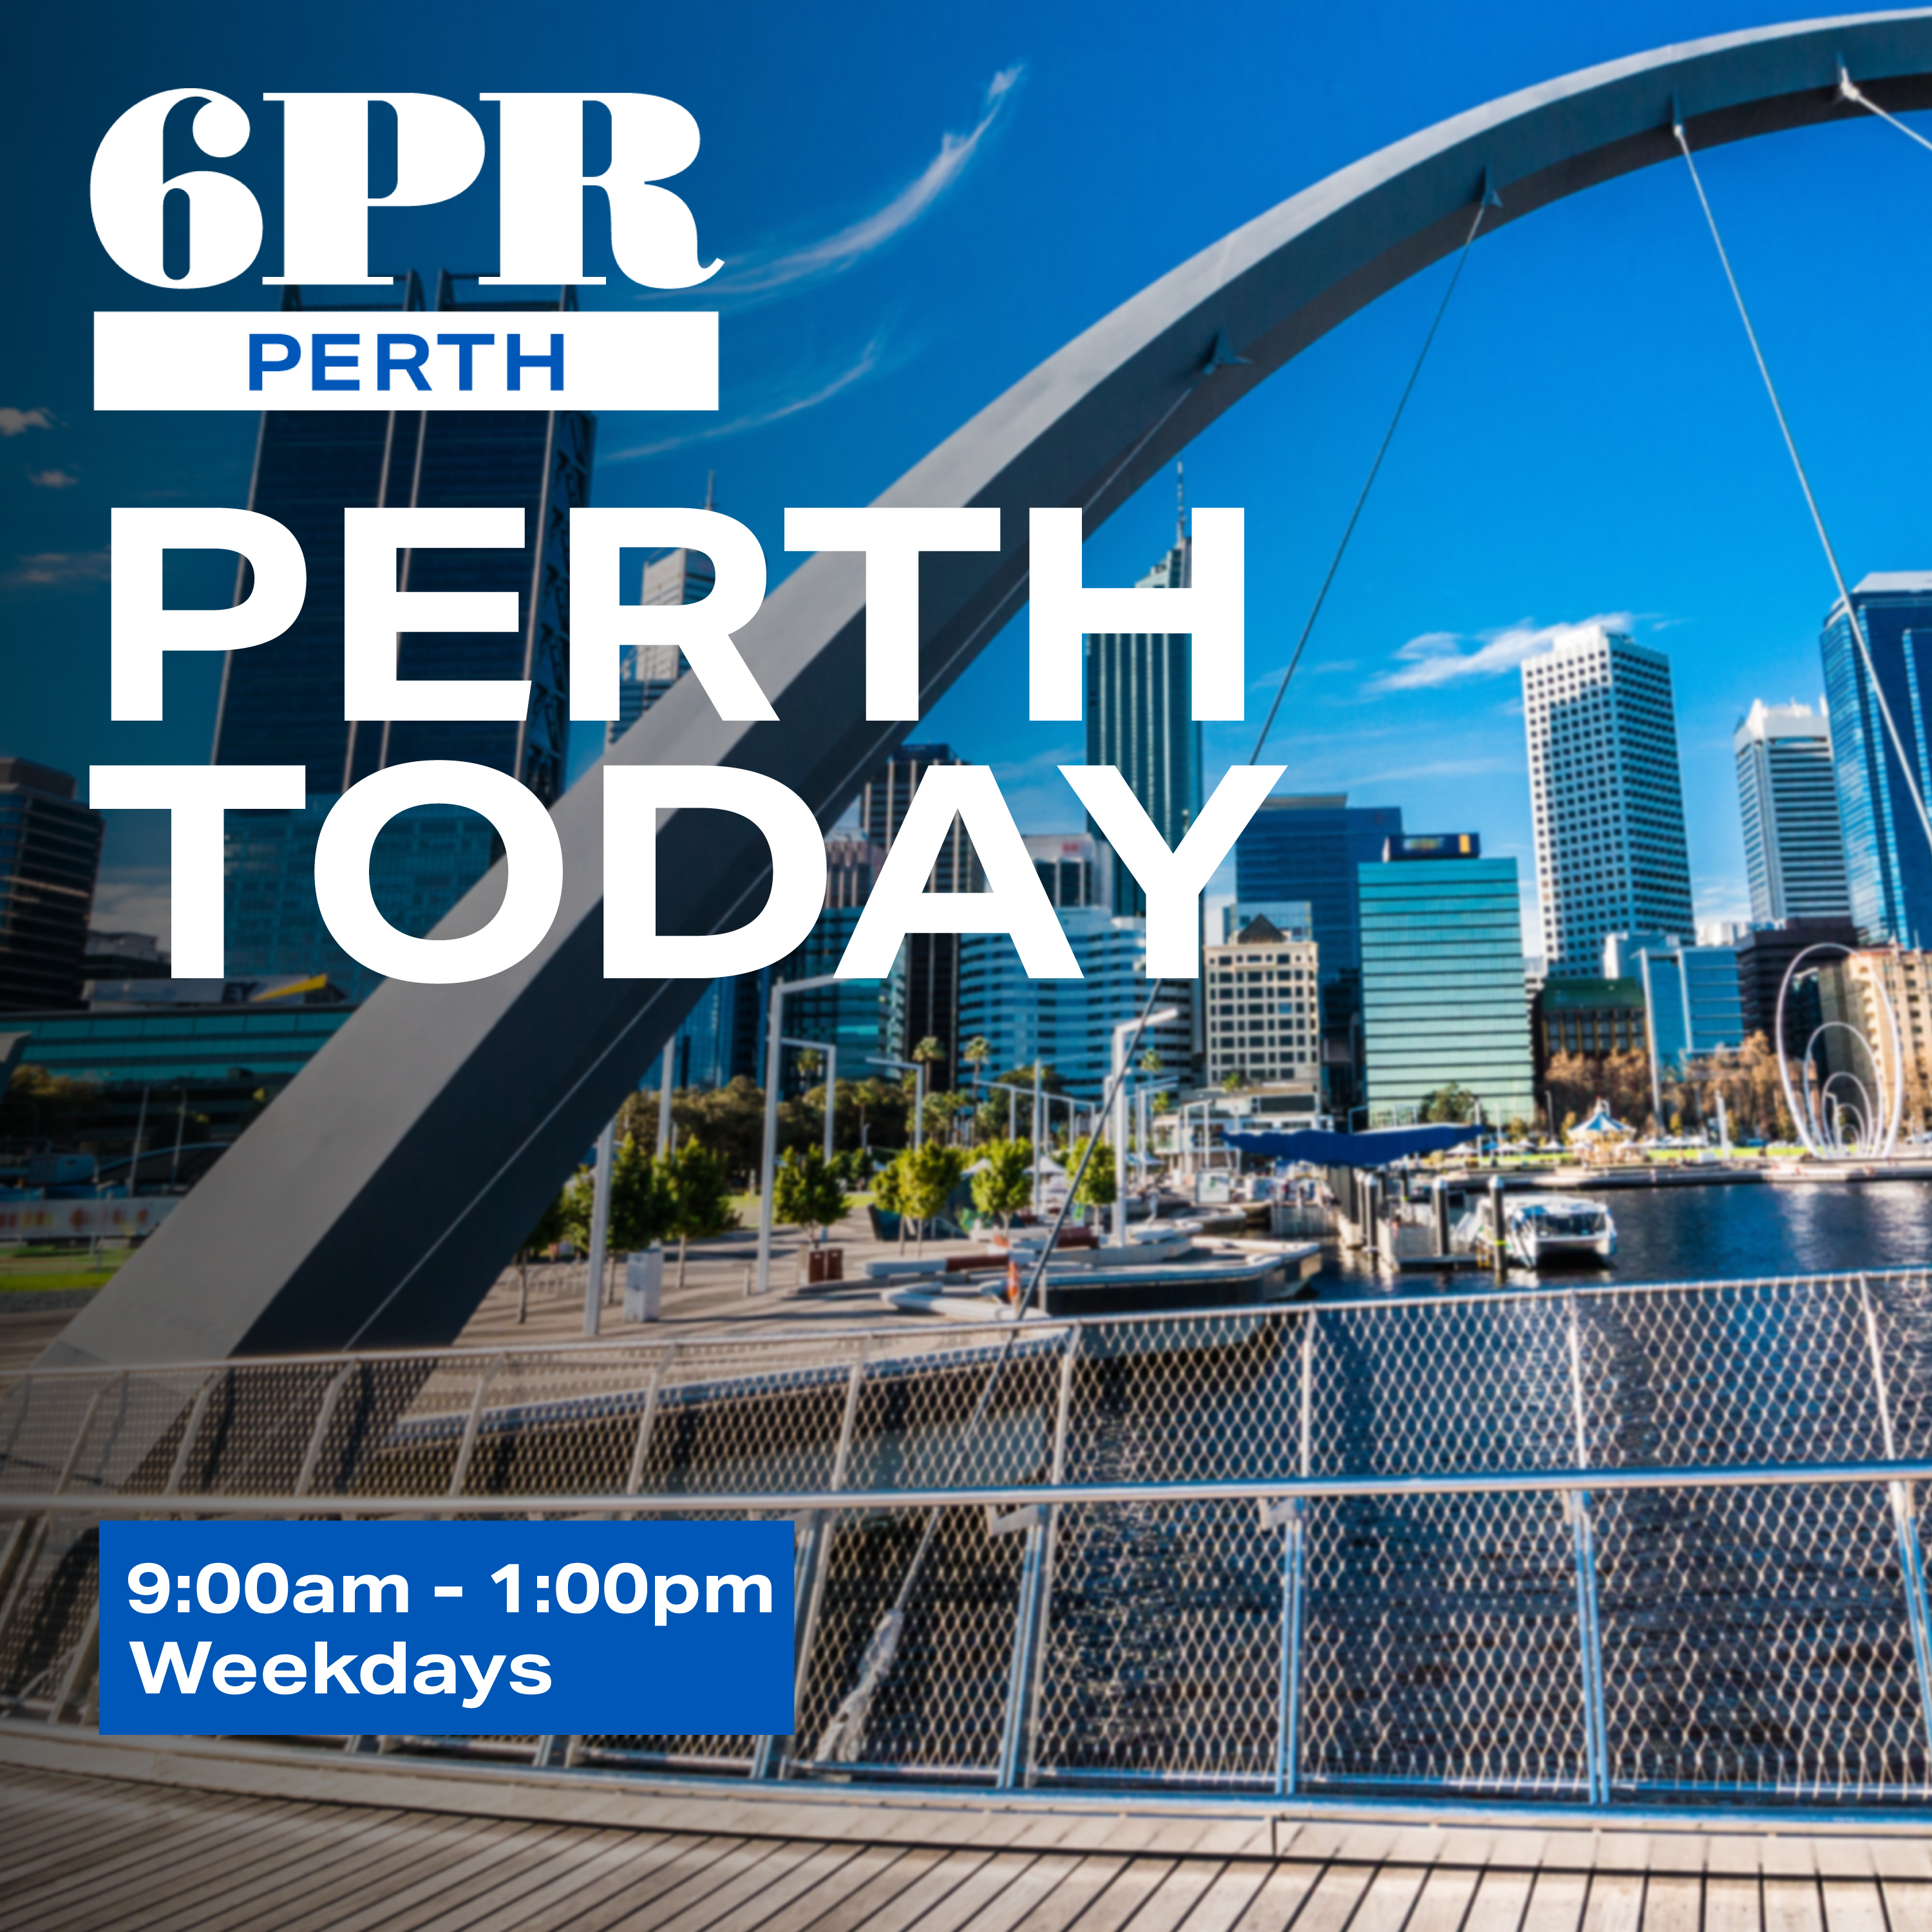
(790, 1865)
(897, 1908)
(1445, 1900)
(698, 1868)
(1233, 1890)
(1176, 1896)
(1390, 1898)
(819, 1885)
(1017, 1903)
(201, 1862)
(1673, 1903)
(1908, 1905)
(133, 1845)
(1280, 1897)
(87, 1823)
(1615, 1903)
(318, 1876)
(1853, 1905)
(1501, 1900)
(1124, 1895)
(958, 1907)
(1331, 1902)
(623, 1861)
(1733, 1905)
(1792, 1905)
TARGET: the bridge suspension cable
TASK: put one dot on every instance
(1490, 199)
(1798, 465)
(1848, 90)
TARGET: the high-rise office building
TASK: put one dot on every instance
(49, 854)
(1788, 795)
(1888, 858)
(1139, 708)
(1075, 868)
(930, 1006)
(1310, 849)
(1692, 994)
(282, 704)
(1607, 800)
(1442, 980)
(1764, 955)
(1069, 1024)
(647, 671)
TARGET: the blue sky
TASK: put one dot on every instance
(916, 205)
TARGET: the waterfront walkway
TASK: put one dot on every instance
(299, 1848)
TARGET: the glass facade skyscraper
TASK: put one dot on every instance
(1311, 849)
(1887, 860)
(1606, 795)
(1139, 709)
(49, 854)
(282, 702)
(1442, 982)
(1788, 799)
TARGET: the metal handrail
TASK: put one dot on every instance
(823, 1344)
(117, 1506)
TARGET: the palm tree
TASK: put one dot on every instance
(976, 1053)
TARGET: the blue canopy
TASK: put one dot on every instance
(1379, 1147)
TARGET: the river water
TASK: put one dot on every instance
(1678, 1233)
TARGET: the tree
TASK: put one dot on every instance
(729, 1121)
(929, 1175)
(1004, 1184)
(930, 1053)
(1233, 1081)
(641, 1203)
(1449, 1104)
(889, 1193)
(806, 1192)
(1096, 1184)
(1150, 1060)
(976, 1053)
(700, 1191)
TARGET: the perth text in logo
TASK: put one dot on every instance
(359, 360)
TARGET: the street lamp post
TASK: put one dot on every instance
(600, 1229)
(768, 1161)
(1125, 1030)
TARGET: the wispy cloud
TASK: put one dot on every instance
(789, 399)
(13, 422)
(764, 271)
(52, 479)
(1439, 657)
(57, 568)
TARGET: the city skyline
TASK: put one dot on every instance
(847, 363)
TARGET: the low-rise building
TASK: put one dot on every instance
(1262, 990)
(1595, 1017)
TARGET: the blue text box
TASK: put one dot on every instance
(446, 1628)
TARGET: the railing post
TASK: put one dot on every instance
(1905, 1520)
(768, 1759)
(634, 1480)
(1589, 1632)
(191, 1429)
(312, 1456)
(1291, 1518)
(473, 1424)
(1020, 1730)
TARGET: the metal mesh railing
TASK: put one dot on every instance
(1616, 1545)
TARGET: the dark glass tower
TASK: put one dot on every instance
(281, 703)
(1308, 849)
(49, 853)
(1139, 707)
(1888, 863)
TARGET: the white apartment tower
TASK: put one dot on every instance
(1611, 855)
(1794, 846)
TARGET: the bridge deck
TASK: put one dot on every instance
(330, 1847)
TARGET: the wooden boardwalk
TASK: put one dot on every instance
(154, 1854)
